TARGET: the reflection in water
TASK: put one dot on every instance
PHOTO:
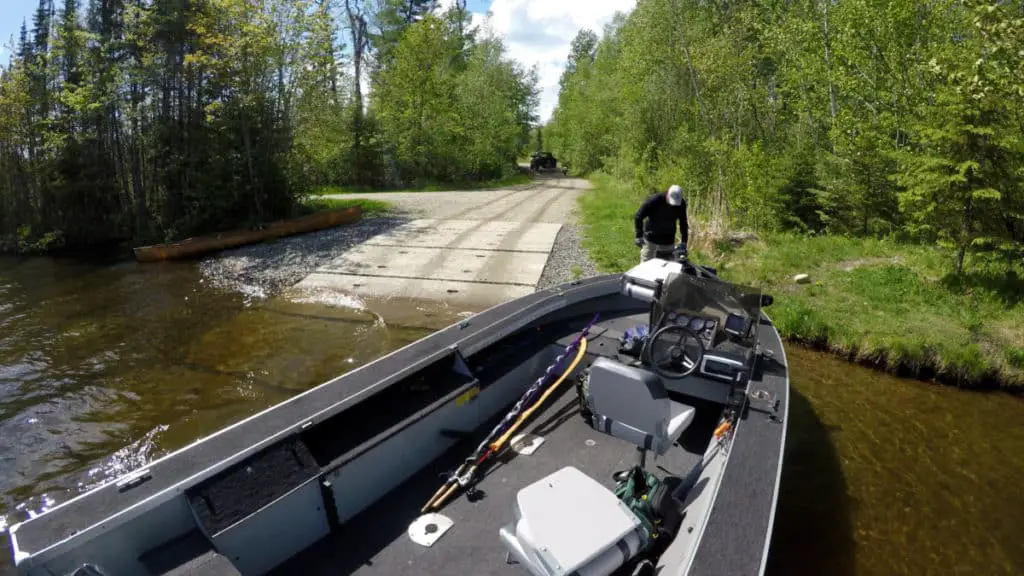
(105, 367)
(889, 476)
(813, 530)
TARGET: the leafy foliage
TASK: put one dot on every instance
(151, 120)
(863, 117)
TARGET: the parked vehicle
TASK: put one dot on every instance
(545, 162)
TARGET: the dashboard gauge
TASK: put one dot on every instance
(671, 316)
(709, 324)
(682, 320)
(696, 324)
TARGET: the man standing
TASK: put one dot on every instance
(661, 212)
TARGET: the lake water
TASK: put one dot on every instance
(105, 366)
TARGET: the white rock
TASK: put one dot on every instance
(802, 278)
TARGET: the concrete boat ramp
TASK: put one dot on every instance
(472, 262)
(454, 259)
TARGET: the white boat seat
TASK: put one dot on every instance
(568, 523)
(632, 404)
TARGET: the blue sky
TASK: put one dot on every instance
(536, 32)
(12, 13)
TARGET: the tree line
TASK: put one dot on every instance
(864, 117)
(150, 120)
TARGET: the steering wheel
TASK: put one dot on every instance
(670, 353)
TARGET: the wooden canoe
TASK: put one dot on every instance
(205, 244)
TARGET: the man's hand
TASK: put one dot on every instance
(639, 242)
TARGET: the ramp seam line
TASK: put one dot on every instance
(458, 248)
(534, 285)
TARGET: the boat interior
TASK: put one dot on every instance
(616, 472)
(560, 479)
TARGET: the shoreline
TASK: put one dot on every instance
(870, 302)
(925, 374)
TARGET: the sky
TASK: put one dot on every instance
(540, 31)
(12, 13)
(535, 31)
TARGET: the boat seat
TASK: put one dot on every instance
(568, 523)
(632, 404)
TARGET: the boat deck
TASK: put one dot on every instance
(375, 541)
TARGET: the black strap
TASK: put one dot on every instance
(624, 548)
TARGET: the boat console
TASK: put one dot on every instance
(702, 330)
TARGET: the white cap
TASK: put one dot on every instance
(675, 195)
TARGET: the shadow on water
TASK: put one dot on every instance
(813, 525)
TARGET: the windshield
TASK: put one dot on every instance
(730, 312)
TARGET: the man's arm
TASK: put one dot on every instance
(638, 218)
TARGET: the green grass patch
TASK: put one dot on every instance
(514, 180)
(370, 207)
(894, 305)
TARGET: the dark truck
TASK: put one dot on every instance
(545, 162)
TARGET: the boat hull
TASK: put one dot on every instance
(267, 488)
(200, 245)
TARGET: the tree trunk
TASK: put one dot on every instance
(357, 29)
(965, 233)
(693, 81)
(138, 190)
(255, 182)
(828, 64)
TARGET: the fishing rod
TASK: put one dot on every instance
(512, 420)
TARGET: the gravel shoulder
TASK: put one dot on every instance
(568, 260)
(264, 270)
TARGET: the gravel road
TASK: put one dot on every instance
(262, 270)
(546, 199)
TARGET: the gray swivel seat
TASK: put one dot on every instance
(567, 522)
(632, 404)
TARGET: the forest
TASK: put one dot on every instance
(863, 118)
(150, 120)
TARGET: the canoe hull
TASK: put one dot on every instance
(201, 245)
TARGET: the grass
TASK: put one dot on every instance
(514, 180)
(370, 207)
(895, 306)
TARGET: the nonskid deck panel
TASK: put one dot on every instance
(375, 541)
(737, 536)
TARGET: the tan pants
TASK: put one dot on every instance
(649, 250)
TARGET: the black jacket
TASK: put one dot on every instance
(661, 220)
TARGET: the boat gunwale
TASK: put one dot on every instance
(782, 453)
(395, 429)
(699, 561)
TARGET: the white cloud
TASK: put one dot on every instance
(540, 32)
